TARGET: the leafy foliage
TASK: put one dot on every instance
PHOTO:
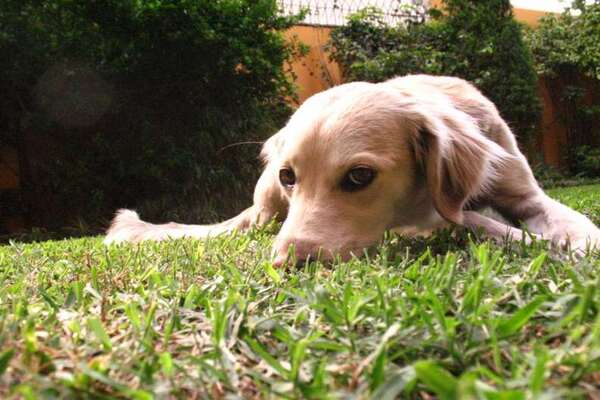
(586, 161)
(570, 40)
(449, 316)
(476, 40)
(566, 50)
(127, 103)
(551, 177)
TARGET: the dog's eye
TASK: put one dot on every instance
(287, 177)
(357, 178)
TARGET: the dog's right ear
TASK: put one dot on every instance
(459, 162)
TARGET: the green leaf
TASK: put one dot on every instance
(97, 328)
(395, 384)
(265, 355)
(437, 379)
(506, 395)
(49, 300)
(273, 274)
(378, 370)
(512, 325)
(536, 382)
(131, 310)
(298, 354)
(5, 358)
(166, 363)
(536, 264)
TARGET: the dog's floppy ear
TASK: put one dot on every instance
(459, 163)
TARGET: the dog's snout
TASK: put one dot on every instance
(283, 261)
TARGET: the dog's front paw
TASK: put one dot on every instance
(583, 245)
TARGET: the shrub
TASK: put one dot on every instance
(566, 50)
(550, 177)
(127, 103)
(476, 40)
(585, 161)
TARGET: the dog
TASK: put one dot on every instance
(416, 152)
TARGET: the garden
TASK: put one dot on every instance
(162, 105)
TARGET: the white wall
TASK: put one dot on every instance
(544, 5)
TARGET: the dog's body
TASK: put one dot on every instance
(415, 152)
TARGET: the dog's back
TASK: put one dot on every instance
(465, 97)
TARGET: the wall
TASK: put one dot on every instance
(315, 72)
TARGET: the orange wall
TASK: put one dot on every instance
(314, 73)
(529, 17)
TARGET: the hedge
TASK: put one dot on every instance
(128, 104)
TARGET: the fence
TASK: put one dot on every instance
(336, 12)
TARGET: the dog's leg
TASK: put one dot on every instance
(559, 223)
(128, 227)
(268, 203)
(515, 194)
(494, 229)
(518, 198)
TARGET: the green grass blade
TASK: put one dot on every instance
(98, 330)
(272, 273)
(436, 379)
(393, 386)
(265, 355)
(538, 374)
(5, 358)
(510, 326)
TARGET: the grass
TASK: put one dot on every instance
(446, 317)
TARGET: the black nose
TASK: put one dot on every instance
(288, 262)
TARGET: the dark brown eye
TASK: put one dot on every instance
(287, 177)
(357, 178)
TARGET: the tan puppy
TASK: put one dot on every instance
(415, 152)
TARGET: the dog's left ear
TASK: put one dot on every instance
(459, 162)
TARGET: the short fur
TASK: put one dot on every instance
(440, 149)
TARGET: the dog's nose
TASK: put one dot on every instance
(285, 261)
(294, 252)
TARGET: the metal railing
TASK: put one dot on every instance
(336, 12)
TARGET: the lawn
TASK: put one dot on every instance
(447, 317)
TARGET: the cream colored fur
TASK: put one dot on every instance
(440, 150)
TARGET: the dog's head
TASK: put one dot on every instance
(362, 158)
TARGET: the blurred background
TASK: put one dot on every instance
(161, 105)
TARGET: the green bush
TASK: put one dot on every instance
(550, 177)
(566, 50)
(585, 161)
(568, 42)
(128, 103)
(476, 40)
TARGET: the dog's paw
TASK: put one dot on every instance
(584, 245)
(125, 227)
